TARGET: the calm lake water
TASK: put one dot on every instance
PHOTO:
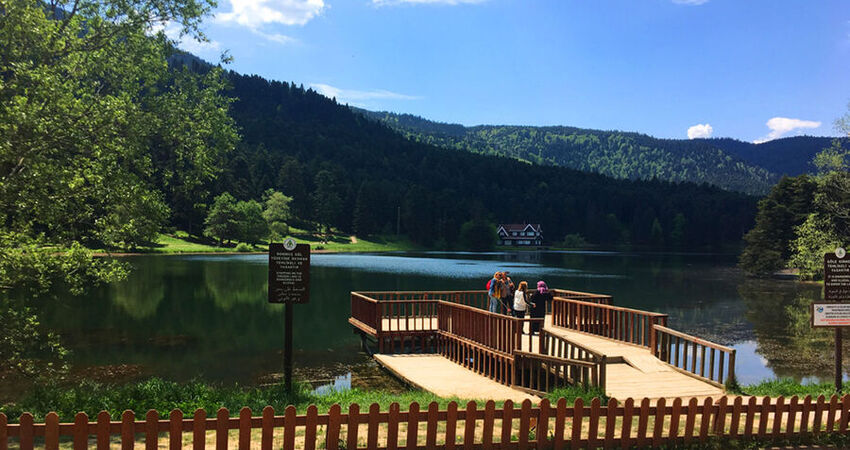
(183, 317)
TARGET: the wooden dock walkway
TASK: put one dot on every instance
(463, 350)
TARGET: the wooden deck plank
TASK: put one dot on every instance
(437, 374)
(639, 374)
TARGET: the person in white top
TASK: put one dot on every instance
(520, 302)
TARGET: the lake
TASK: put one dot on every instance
(184, 317)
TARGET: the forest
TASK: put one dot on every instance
(345, 171)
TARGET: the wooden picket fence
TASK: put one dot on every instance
(610, 425)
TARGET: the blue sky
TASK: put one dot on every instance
(752, 70)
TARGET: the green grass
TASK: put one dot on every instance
(787, 387)
(92, 397)
(181, 242)
(571, 393)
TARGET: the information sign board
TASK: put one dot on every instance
(836, 276)
(289, 272)
(830, 315)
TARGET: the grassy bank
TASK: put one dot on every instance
(182, 242)
(786, 387)
(163, 396)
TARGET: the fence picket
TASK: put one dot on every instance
(507, 421)
(267, 438)
(626, 433)
(199, 430)
(720, 418)
(560, 423)
(804, 416)
(469, 424)
(819, 410)
(705, 418)
(431, 429)
(51, 431)
(750, 417)
(245, 428)
(392, 426)
(353, 426)
(763, 414)
(289, 428)
(334, 422)
(777, 417)
(372, 432)
(25, 437)
(221, 428)
(792, 416)
(610, 422)
(690, 420)
(489, 419)
(658, 428)
(675, 414)
(830, 415)
(643, 423)
(412, 426)
(578, 411)
(451, 424)
(593, 425)
(175, 429)
(524, 422)
(312, 422)
(845, 413)
(4, 432)
(81, 431)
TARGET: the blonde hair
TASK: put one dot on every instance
(523, 286)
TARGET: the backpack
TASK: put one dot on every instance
(489, 282)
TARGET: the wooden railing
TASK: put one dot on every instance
(366, 311)
(596, 424)
(539, 374)
(695, 356)
(628, 325)
(583, 296)
(493, 364)
(493, 331)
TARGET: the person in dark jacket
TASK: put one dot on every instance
(538, 301)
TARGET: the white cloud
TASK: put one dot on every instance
(254, 14)
(780, 126)
(425, 2)
(700, 131)
(690, 2)
(355, 96)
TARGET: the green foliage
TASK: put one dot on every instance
(357, 176)
(222, 221)
(788, 387)
(769, 242)
(571, 393)
(478, 235)
(252, 226)
(277, 214)
(29, 269)
(242, 247)
(163, 396)
(613, 153)
(574, 240)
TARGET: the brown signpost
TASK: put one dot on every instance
(836, 288)
(289, 283)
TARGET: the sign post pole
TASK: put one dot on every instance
(836, 288)
(289, 283)
(838, 358)
(287, 347)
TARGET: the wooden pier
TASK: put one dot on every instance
(584, 340)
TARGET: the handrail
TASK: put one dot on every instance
(687, 354)
(629, 325)
(554, 359)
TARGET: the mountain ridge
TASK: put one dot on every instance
(726, 163)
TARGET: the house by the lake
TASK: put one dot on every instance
(526, 234)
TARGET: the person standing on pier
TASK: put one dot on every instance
(521, 300)
(539, 300)
(508, 292)
(493, 290)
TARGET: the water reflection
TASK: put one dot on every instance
(207, 316)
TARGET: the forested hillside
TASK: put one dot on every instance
(614, 153)
(788, 156)
(351, 172)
